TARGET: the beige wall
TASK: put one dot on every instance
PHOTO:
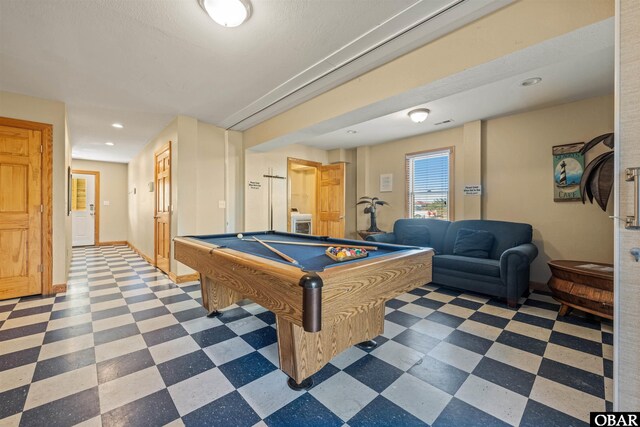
(517, 174)
(258, 164)
(512, 157)
(113, 189)
(198, 184)
(235, 182)
(140, 199)
(51, 112)
(390, 158)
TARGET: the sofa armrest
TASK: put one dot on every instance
(382, 238)
(524, 253)
(514, 269)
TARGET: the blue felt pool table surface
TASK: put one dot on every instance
(310, 258)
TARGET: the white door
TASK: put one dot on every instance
(83, 209)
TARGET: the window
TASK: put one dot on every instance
(79, 194)
(429, 184)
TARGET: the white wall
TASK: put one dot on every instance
(23, 107)
(113, 189)
(258, 164)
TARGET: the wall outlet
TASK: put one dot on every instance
(106, 203)
(222, 204)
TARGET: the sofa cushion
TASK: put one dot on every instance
(507, 234)
(485, 267)
(421, 232)
(414, 236)
(473, 243)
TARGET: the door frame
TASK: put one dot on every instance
(96, 217)
(47, 195)
(163, 147)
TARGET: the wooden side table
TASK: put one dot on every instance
(587, 286)
(364, 233)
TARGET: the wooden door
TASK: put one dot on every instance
(163, 208)
(21, 212)
(331, 208)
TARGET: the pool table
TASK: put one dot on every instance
(322, 306)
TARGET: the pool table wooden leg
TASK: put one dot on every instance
(302, 354)
(215, 297)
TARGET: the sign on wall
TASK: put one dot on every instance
(386, 182)
(472, 190)
(255, 185)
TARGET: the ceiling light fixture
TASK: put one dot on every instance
(228, 13)
(532, 81)
(110, 144)
(117, 125)
(418, 115)
(352, 132)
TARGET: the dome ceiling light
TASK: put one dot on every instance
(419, 115)
(228, 13)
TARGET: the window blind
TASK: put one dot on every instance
(428, 186)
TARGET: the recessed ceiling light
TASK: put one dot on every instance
(532, 81)
(419, 115)
(117, 125)
(110, 144)
(228, 13)
(352, 132)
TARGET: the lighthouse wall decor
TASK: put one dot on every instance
(568, 167)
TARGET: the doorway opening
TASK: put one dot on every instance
(302, 184)
(85, 207)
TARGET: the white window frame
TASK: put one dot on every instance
(409, 158)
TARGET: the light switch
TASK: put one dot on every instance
(222, 204)
(106, 203)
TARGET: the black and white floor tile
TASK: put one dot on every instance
(126, 346)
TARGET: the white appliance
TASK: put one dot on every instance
(301, 223)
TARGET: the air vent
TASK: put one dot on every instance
(443, 122)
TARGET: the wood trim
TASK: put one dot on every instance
(139, 252)
(113, 243)
(303, 162)
(184, 278)
(164, 147)
(451, 196)
(56, 289)
(47, 195)
(96, 217)
(291, 161)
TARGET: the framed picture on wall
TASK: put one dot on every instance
(568, 167)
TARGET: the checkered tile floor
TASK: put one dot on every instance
(126, 346)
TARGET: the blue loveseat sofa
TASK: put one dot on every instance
(500, 268)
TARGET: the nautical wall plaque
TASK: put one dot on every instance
(568, 166)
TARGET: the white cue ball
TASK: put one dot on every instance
(240, 236)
